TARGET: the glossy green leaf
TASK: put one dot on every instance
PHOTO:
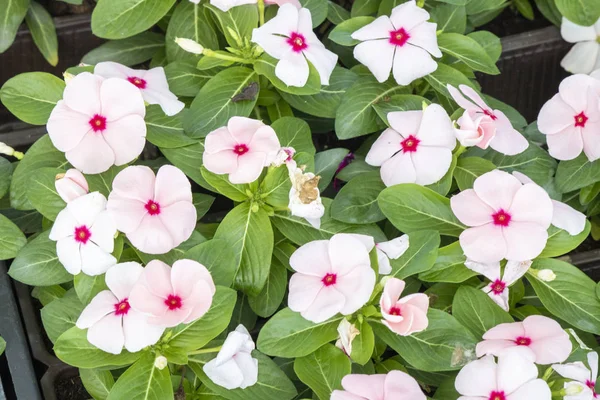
(217, 257)
(97, 382)
(561, 242)
(266, 65)
(11, 239)
(467, 50)
(87, 287)
(450, 18)
(42, 193)
(576, 174)
(323, 370)
(189, 21)
(357, 203)
(363, 344)
(12, 14)
(271, 296)
(119, 19)
(470, 168)
(294, 132)
(476, 311)
(143, 381)
(131, 51)
(61, 315)
(449, 266)
(342, 34)
(40, 24)
(240, 20)
(326, 164)
(581, 12)
(419, 257)
(185, 79)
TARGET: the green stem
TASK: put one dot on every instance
(205, 351)
(547, 374)
(214, 54)
(261, 11)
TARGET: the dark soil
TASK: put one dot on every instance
(59, 8)
(511, 22)
(70, 389)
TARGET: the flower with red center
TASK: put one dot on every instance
(110, 320)
(155, 212)
(241, 149)
(546, 339)
(514, 377)
(289, 38)
(402, 43)
(417, 148)
(84, 233)
(332, 276)
(395, 385)
(71, 185)
(98, 123)
(406, 315)
(571, 119)
(583, 378)
(151, 83)
(171, 296)
(497, 131)
(506, 219)
(497, 287)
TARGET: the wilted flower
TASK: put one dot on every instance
(305, 196)
(347, 332)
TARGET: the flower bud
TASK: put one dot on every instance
(9, 151)
(189, 45)
(573, 389)
(71, 185)
(546, 275)
(160, 362)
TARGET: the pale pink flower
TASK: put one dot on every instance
(241, 149)
(403, 43)
(406, 315)
(98, 123)
(507, 140)
(506, 218)
(584, 379)
(85, 233)
(109, 318)
(417, 148)
(156, 213)
(71, 185)
(332, 276)
(497, 289)
(395, 385)
(571, 119)
(475, 130)
(547, 340)
(226, 5)
(584, 57)
(347, 332)
(513, 378)
(152, 84)
(289, 38)
(563, 215)
(390, 250)
(171, 296)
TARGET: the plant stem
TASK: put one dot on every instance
(261, 12)
(221, 56)
(205, 351)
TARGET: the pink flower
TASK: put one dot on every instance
(241, 149)
(152, 84)
(98, 123)
(478, 131)
(507, 139)
(571, 119)
(109, 318)
(544, 336)
(403, 42)
(289, 38)
(406, 315)
(171, 296)
(332, 276)
(71, 185)
(85, 233)
(395, 385)
(416, 149)
(156, 213)
(497, 289)
(507, 219)
(513, 378)
(584, 379)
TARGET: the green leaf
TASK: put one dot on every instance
(444, 185)
(31, 96)
(342, 34)
(280, 109)
(364, 7)
(476, 311)
(221, 183)
(265, 66)
(213, 106)
(164, 131)
(42, 193)
(490, 42)
(97, 382)
(11, 239)
(560, 242)
(185, 79)
(470, 168)
(189, 160)
(131, 51)
(411, 207)
(241, 20)
(2, 345)
(119, 19)
(480, 6)
(250, 236)
(143, 381)
(103, 182)
(549, 11)
(40, 24)
(571, 296)
(202, 202)
(294, 132)
(581, 12)
(47, 294)
(468, 51)
(318, 10)
(450, 18)
(336, 14)
(356, 203)
(363, 344)
(189, 21)
(87, 287)
(445, 345)
(271, 296)
(6, 171)
(399, 102)
(419, 257)
(61, 315)
(12, 14)
(323, 370)
(326, 165)
(217, 257)
(276, 187)
(575, 174)
(449, 266)
(37, 264)
(444, 75)
(287, 334)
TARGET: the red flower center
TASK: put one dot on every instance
(581, 119)
(122, 307)
(523, 341)
(498, 286)
(173, 302)
(152, 207)
(297, 41)
(137, 82)
(399, 37)
(82, 234)
(98, 123)
(395, 311)
(501, 218)
(240, 149)
(497, 395)
(490, 114)
(410, 144)
(329, 279)
(592, 386)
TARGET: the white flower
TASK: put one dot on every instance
(390, 250)
(234, 366)
(71, 185)
(161, 362)
(289, 38)
(84, 233)
(284, 156)
(347, 332)
(403, 42)
(584, 57)
(9, 151)
(189, 45)
(225, 5)
(305, 197)
(584, 380)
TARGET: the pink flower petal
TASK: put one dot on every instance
(406, 123)
(67, 251)
(185, 274)
(152, 236)
(103, 232)
(135, 182)
(86, 209)
(171, 186)
(399, 385)
(493, 347)
(126, 137)
(378, 29)
(573, 33)
(408, 15)
(109, 69)
(138, 332)
(508, 331)
(218, 140)
(265, 141)
(565, 145)
(424, 36)
(377, 55)
(82, 94)
(144, 301)
(199, 300)
(398, 169)
(551, 350)
(274, 45)
(507, 139)
(532, 204)
(474, 97)
(515, 368)
(327, 303)
(411, 63)
(540, 327)
(126, 213)
(119, 99)
(497, 189)
(250, 166)
(477, 378)
(67, 127)
(347, 253)
(357, 286)
(365, 386)
(461, 100)
(436, 128)
(222, 162)
(322, 59)
(179, 220)
(64, 226)
(470, 210)
(555, 116)
(343, 395)
(524, 240)
(490, 271)
(292, 69)
(102, 304)
(107, 334)
(484, 243)
(572, 88)
(591, 144)
(418, 300)
(312, 259)
(386, 145)
(582, 58)
(121, 278)
(576, 371)
(567, 218)
(537, 389)
(391, 293)
(171, 318)
(303, 289)
(157, 278)
(92, 155)
(431, 164)
(243, 129)
(94, 260)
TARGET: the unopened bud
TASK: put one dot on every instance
(546, 275)
(573, 389)
(189, 45)
(9, 151)
(160, 362)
